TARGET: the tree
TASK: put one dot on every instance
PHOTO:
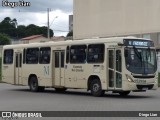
(11, 28)
(4, 39)
(14, 22)
(21, 31)
(34, 30)
(44, 31)
(8, 26)
(70, 34)
(6, 20)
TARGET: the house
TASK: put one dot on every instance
(34, 39)
(58, 38)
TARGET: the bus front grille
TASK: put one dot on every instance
(142, 87)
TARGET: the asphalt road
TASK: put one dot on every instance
(19, 98)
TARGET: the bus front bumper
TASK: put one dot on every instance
(141, 87)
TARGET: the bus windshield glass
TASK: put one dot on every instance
(141, 60)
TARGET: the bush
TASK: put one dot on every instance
(4, 39)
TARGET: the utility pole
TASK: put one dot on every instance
(48, 10)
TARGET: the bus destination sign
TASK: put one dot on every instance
(135, 42)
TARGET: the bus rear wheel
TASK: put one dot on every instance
(96, 88)
(124, 93)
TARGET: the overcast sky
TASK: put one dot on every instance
(37, 13)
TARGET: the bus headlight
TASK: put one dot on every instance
(129, 78)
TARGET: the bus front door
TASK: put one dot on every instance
(114, 69)
(58, 79)
(18, 69)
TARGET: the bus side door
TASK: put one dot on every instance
(58, 79)
(114, 69)
(18, 69)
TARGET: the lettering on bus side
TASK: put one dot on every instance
(46, 70)
(77, 69)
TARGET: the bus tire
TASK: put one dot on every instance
(124, 93)
(33, 84)
(60, 89)
(96, 88)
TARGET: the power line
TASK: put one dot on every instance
(60, 26)
(60, 30)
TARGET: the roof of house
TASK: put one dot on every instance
(58, 38)
(32, 37)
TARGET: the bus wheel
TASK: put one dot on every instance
(60, 89)
(33, 84)
(96, 88)
(124, 93)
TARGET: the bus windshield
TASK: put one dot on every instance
(141, 60)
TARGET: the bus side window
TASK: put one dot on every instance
(67, 55)
(95, 53)
(32, 55)
(24, 56)
(78, 54)
(45, 55)
(8, 56)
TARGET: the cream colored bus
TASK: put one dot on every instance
(119, 64)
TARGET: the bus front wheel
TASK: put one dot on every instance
(96, 88)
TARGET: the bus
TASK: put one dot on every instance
(117, 64)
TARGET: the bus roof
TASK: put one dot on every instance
(73, 42)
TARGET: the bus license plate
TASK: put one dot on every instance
(144, 88)
(140, 81)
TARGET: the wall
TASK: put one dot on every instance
(105, 18)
